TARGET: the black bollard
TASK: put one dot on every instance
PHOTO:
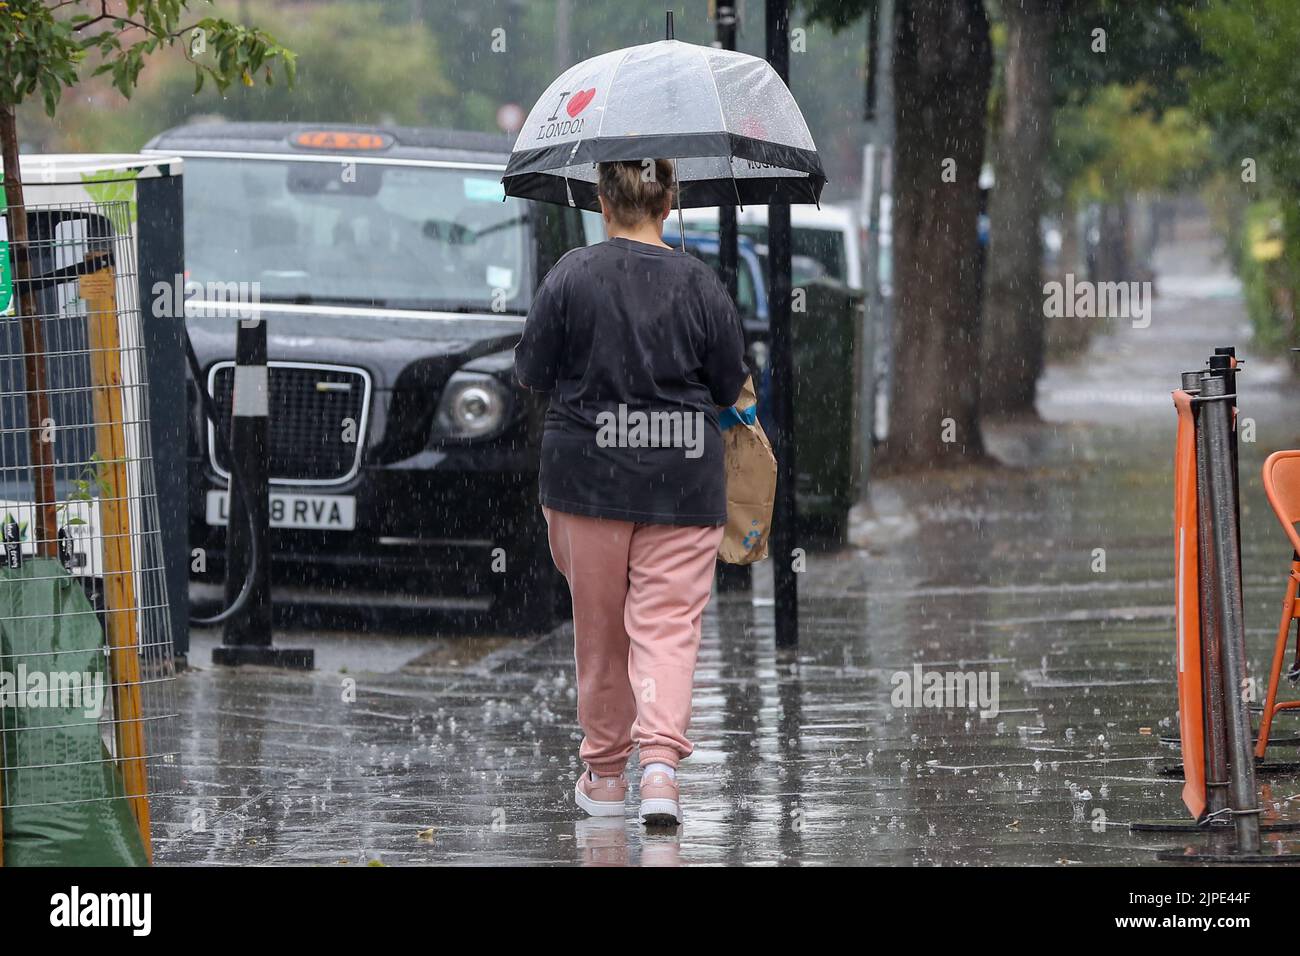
(1216, 417)
(785, 515)
(246, 636)
(1223, 362)
(1216, 741)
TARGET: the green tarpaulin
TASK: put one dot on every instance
(63, 793)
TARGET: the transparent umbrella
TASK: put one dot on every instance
(726, 118)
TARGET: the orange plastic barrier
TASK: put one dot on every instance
(1188, 610)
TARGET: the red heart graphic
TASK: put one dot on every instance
(578, 102)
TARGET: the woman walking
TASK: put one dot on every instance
(638, 345)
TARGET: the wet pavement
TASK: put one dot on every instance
(462, 750)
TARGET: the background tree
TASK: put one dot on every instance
(1013, 297)
(943, 62)
(1112, 146)
(1057, 54)
(43, 49)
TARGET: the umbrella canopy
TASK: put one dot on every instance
(725, 117)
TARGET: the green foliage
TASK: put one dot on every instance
(1248, 94)
(1266, 276)
(42, 48)
(356, 68)
(837, 14)
(85, 488)
(358, 65)
(37, 52)
(1122, 123)
(1150, 44)
(1111, 145)
(113, 185)
(1251, 94)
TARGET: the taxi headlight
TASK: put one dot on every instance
(473, 405)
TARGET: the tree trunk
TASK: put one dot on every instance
(942, 65)
(1014, 324)
(44, 529)
(1067, 336)
(1113, 259)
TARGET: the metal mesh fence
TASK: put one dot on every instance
(87, 693)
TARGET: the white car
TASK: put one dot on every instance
(828, 235)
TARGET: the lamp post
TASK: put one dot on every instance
(785, 517)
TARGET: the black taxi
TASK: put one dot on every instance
(394, 277)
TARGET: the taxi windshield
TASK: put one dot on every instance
(388, 236)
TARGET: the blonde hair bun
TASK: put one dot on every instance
(636, 190)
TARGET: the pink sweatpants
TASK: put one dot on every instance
(639, 592)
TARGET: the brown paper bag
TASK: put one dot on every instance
(750, 468)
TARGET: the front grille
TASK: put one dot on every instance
(317, 425)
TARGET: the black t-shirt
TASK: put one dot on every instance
(638, 345)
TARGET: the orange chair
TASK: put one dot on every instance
(1282, 485)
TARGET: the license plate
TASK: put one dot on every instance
(288, 510)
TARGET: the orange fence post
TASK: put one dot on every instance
(122, 614)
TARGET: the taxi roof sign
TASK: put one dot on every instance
(342, 140)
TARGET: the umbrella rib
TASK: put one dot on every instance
(612, 77)
(722, 118)
(599, 126)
